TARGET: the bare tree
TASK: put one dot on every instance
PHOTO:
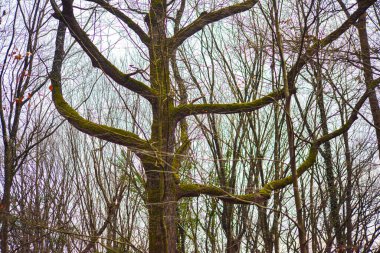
(25, 117)
(161, 149)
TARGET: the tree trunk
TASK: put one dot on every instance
(368, 74)
(6, 199)
(161, 184)
(348, 195)
(291, 139)
(162, 205)
(334, 216)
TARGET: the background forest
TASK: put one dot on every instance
(189, 126)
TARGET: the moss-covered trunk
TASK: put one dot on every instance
(162, 205)
(161, 183)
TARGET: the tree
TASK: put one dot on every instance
(160, 153)
(24, 114)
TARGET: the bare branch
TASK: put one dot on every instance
(103, 132)
(207, 19)
(319, 44)
(194, 190)
(128, 21)
(97, 58)
(186, 110)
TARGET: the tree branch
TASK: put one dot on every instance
(128, 21)
(97, 58)
(319, 44)
(207, 19)
(194, 190)
(182, 111)
(186, 110)
(114, 135)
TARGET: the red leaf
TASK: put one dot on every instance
(18, 57)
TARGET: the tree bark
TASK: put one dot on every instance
(368, 73)
(6, 199)
(331, 188)
(348, 195)
(161, 183)
(291, 137)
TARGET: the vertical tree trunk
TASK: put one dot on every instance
(161, 183)
(297, 197)
(368, 73)
(348, 194)
(291, 138)
(6, 199)
(277, 158)
(262, 212)
(227, 217)
(162, 206)
(331, 188)
(313, 216)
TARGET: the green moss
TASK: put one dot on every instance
(157, 3)
(176, 178)
(101, 131)
(266, 192)
(178, 157)
(192, 190)
(189, 188)
(281, 183)
(193, 109)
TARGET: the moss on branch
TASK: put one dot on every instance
(265, 193)
(195, 190)
(182, 111)
(97, 58)
(104, 132)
